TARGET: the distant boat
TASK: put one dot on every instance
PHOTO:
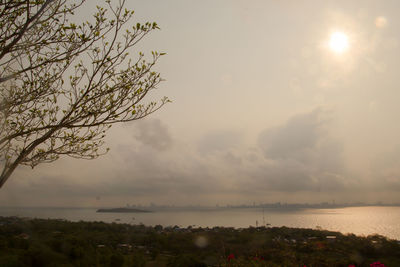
(122, 210)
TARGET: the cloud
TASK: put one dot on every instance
(219, 141)
(153, 133)
(385, 170)
(296, 137)
(299, 156)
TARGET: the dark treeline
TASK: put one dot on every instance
(40, 242)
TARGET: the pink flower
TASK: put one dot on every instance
(231, 257)
(377, 264)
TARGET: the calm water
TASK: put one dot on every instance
(358, 220)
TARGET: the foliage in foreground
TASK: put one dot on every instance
(38, 242)
(64, 82)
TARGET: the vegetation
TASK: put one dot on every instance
(38, 242)
(64, 83)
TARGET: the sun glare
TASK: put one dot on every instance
(339, 42)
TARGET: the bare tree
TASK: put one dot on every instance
(63, 84)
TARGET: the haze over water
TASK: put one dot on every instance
(358, 220)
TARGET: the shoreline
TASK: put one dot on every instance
(361, 221)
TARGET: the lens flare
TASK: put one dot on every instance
(201, 242)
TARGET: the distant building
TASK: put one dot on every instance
(331, 238)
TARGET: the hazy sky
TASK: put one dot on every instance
(265, 108)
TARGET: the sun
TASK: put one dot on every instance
(339, 42)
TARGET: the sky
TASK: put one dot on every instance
(267, 106)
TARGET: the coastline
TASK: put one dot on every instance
(360, 221)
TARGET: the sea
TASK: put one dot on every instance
(361, 221)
